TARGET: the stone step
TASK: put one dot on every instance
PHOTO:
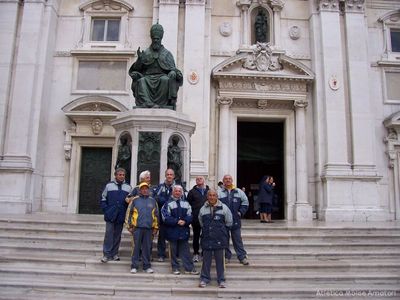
(98, 236)
(278, 252)
(126, 239)
(256, 267)
(167, 278)
(253, 230)
(245, 290)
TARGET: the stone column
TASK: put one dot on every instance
(9, 14)
(303, 210)
(223, 144)
(357, 74)
(26, 111)
(277, 6)
(168, 15)
(244, 11)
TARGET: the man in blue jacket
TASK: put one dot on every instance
(215, 218)
(162, 193)
(114, 207)
(177, 216)
(238, 203)
(197, 197)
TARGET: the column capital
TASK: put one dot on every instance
(277, 5)
(354, 6)
(328, 5)
(243, 4)
(300, 103)
(223, 100)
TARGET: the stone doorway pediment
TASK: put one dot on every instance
(264, 74)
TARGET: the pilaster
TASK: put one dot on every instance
(195, 92)
(330, 87)
(223, 147)
(168, 15)
(357, 74)
(303, 210)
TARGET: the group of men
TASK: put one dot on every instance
(166, 210)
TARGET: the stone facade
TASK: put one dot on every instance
(330, 73)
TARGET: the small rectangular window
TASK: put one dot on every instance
(395, 39)
(105, 30)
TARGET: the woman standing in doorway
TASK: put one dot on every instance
(266, 196)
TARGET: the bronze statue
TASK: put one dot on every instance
(174, 158)
(261, 27)
(155, 79)
(124, 158)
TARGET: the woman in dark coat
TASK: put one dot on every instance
(265, 198)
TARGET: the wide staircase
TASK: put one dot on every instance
(58, 257)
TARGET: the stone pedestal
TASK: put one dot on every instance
(168, 123)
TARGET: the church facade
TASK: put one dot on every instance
(306, 91)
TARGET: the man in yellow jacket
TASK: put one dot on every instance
(142, 221)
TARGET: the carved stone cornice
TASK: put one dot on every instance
(276, 5)
(169, 2)
(222, 100)
(354, 6)
(300, 103)
(328, 5)
(263, 86)
(262, 104)
(195, 2)
(106, 6)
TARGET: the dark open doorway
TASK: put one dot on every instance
(260, 151)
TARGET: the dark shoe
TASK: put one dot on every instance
(193, 272)
(116, 258)
(262, 221)
(105, 259)
(176, 272)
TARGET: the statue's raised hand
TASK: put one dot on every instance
(139, 53)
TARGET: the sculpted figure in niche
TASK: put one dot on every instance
(124, 158)
(174, 158)
(261, 27)
(155, 79)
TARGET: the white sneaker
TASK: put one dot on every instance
(149, 270)
(195, 258)
(133, 270)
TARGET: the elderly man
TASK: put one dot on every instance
(114, 207)
(215, 218)
(142, 221)
(238, 203)
(197, 197)
(144, 176)
(155, 79)
(162, 194)
(177, 216)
